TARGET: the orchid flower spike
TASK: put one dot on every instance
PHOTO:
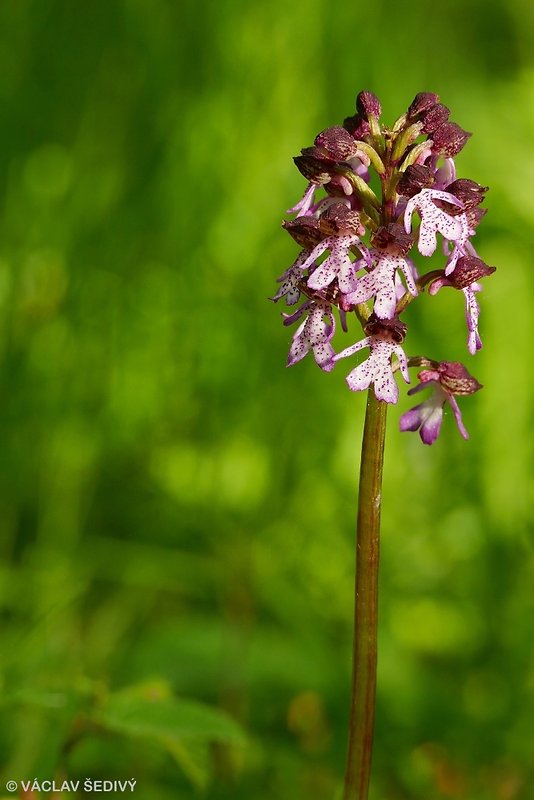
(356, 245)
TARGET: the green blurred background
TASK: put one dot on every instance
(177, 508)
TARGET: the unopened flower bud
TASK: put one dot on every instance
(393, 235)
(368, 104)
(357, 126)
(422, 102)
(434, 117)
(449, 139)
(338, 220)
(337, 143)
(415, 178)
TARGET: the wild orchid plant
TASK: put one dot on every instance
(376, 281)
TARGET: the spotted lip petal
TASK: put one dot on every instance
(290, 280)
(360, 377)
(349, 351)
(472, 312)
(380, 283)
(385, 388)
(472, 308)
(313, 334)
(299, 348)
(376, 369)
(434, 220)
(337, 265)
(323, 354)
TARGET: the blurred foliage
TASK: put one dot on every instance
(176, 508)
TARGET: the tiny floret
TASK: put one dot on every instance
(433, 220)
(447, 379)
(337, 266)
(376, 369)
(380, 283)
(314, 334)
(469, 270)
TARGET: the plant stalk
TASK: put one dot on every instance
(366, 603)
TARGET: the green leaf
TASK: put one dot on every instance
(151, 711)
(182, 727)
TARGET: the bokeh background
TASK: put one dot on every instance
(176, 508)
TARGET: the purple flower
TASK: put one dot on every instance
(377, 369)
(342, 229)
(380, 283)
(469, 270)
(313, 334)
(337, 265)
(472, 311)
(449, 378)
(290, 280)
(434, 219)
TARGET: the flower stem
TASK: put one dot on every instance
(366, 603)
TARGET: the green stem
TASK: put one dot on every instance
(366, 603)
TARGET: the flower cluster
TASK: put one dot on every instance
(356, 244)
